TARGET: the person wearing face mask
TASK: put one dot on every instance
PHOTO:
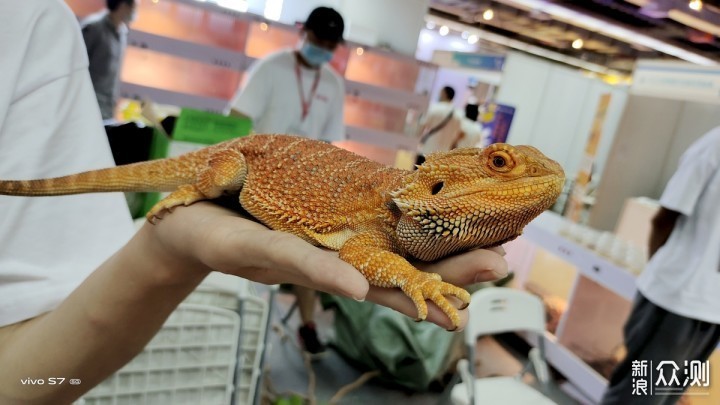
(105, 35)
(295, 91)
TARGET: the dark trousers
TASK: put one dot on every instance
(657, 335)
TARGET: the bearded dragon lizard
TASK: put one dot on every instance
(377, 217)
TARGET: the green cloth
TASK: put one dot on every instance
(407, 353)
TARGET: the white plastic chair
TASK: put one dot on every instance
(498, 310)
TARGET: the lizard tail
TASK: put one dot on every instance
(156, 175)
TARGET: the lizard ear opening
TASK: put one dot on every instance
(437, 187)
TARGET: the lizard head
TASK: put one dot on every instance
(470, 198)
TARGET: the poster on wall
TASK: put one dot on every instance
(574, 209)
(495, 120)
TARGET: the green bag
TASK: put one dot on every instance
(372, 337)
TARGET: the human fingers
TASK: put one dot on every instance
(471, 267)
(395, 299)
(284, 258)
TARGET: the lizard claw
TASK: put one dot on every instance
(435, 290)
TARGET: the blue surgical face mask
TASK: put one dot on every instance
(315, 55)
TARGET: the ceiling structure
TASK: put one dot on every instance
(612, 33)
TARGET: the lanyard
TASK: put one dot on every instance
(306, 103)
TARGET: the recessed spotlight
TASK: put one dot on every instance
(488, 14)
(430, 25)
(696, 5)
(444, 30)
(578, 43)
(465, 35)
(263, 26)
(472, 39)
(359, 51)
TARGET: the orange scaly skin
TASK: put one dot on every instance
(377, 217)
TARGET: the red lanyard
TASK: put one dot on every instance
(306, 103)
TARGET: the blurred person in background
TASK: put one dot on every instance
(470, 133)
(440, 127)
(105, 35)
(297, 92)
(676, 315)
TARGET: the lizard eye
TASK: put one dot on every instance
(437, 187)
(500, 161)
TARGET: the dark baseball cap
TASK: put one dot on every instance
(326, 23)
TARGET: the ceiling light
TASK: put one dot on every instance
(488, 14)
(696, 5)
(360, 51)
(525, 47)
(578, 43)
(430, 25)
(613, 30)
(444, 30)
(263, 26)
(465, 35)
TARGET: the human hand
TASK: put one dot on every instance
(205, 237)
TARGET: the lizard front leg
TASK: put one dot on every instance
(225, 170)
(373, 254)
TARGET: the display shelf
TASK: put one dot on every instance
(212, 55)
(381, 138)
(595, 279)
(160, 96)
(544, 231)
(387, 96)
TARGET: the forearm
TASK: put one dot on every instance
(662, 226)
(101, 326)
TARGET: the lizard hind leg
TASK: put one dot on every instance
(225, 170)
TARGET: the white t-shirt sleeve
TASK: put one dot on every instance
(697, 166)
(50, 125)
(254, 95)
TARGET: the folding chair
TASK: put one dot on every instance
(498, 310)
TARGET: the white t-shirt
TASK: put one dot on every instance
(684, 274)
(50, 125)
(443, 139)
(472, 136)
(271, 97)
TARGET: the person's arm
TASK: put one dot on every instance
(663, 224)
(115, 312)
(91, 39)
